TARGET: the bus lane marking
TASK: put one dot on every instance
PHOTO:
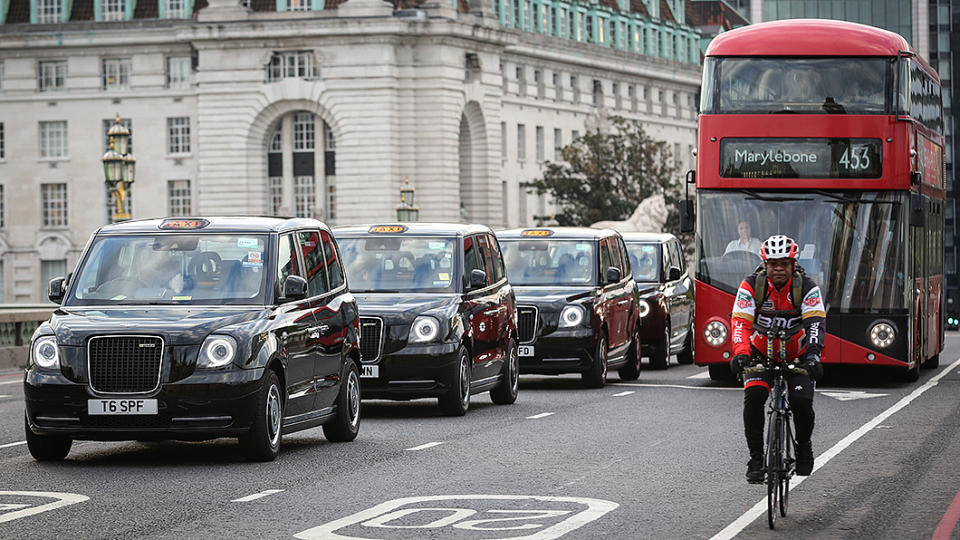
(944, 530)
(683, 386)
(621, 394)
(18, 381)
(760, 508)
(63, 499)
(425, 446)
(256, 496)
(701, 375)
(550, 518)
(10, 445)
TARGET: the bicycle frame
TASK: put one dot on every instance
(781, 446)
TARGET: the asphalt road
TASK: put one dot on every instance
(660, 458)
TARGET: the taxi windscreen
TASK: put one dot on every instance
(644, 261)
(549, 262)
(399, 263)
(172, 269)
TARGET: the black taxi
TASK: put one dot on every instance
(666, 297)
(194, 329)
(437, 315)
(577, 303)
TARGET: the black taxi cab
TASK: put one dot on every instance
(577, 303)
(437, 315)
(194, 329)
(666, 297)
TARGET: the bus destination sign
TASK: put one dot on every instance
(800, 158)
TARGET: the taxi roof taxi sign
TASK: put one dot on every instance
(388, 229)
(183, 224)
(536, 232)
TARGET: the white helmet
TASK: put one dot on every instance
(779, 246)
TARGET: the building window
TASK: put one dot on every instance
(3, 213)
(521, 142)
(539, 143)
(298, 5)
(557, 144)
(125, 122)
(303, 132)
(305, 195)
(3, 146)
(50, 270)
(53, 204)
(178, 197)
(113, 10)
(618, 101)
(48, 11)
(178, 71)
(292, 65)
(51, 75)
(503, 140)
(597, 93)
(521, 81)
(276, 142)
(116, 73)
(538, 80)
(574, 135)
(632, 94)
(53, 139)
(575, 87)
(276, 194)
(471, 67)
(175, 9)
(178, 135)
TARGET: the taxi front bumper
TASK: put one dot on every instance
(415, 371)
(561, 351)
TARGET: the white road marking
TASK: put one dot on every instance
(256, 496)
(761, 507)
(701, 375)
(621, 394)
(18, 381)
(679, 386)
(850, 395)
(8, 445)
(5, 395)
(63, 499)
(425, 446)
(541, 415)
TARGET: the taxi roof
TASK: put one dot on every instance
(576, 233)
(216, 224)
(414, 229)
(646, 237)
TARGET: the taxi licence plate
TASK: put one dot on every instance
(369, 372)
(121, 406)
(525, 350)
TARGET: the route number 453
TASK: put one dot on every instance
(855, 158)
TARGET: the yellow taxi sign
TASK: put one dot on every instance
(536, 232)
(183, 224)
(387, 229)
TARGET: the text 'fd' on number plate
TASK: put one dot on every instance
(525, 350)
(121, 406)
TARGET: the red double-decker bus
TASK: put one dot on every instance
(831, 133)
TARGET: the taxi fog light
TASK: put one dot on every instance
(882, 335)
(217, 351)
(570, 316)
(644, 308)
(46, 354)
(715, 333)
(424, 330)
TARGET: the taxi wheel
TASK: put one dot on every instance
(346, 424)
(457, 400)
(660, 358)
(685, 357)
(506, 392)
(46, 447)
(262, 443)
(596, 376)
(631, 370)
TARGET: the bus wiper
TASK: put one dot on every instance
(784, 111)
(755, 197)
(841, 198)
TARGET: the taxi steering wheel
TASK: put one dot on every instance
(205, 267)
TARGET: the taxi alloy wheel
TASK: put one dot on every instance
(506, 392)
(660, 359)
(46, 447)
(262, 443)
(596, 376)
(346, 424)
(457, 400)
(631, 371)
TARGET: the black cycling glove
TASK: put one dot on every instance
(738, 363)
(811, 364)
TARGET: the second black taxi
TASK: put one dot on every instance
(577, 303)
(437, 315)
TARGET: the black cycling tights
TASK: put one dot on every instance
(754, 399)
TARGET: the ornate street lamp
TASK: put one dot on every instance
(119, 169)
(406, 211)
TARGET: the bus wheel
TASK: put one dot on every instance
(720, 372)
(932, 363)
(912, 374)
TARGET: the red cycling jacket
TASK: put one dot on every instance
(811, 315)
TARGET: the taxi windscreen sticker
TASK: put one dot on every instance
(248, 243)
(182, 298)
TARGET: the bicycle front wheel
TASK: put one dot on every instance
(773, 468)
(788, 465)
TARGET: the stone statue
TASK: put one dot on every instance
(650, 216)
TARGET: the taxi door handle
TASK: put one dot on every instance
(622, 302)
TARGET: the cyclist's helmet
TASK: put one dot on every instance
(779, 246)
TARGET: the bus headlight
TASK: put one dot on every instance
(570, 316)
(46, 354)
(715, 333)
(644, 308)
(882, 334)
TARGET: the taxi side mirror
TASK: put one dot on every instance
(294, 288)
(613, 275)
(55, 289)
(673, 274)
(478, 279)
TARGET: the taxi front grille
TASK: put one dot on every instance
(371, 334)
(527, 323)
(124, 364)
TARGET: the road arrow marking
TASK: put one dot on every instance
(63, 499)
(851, 395)
(9, 445)
(425, 446)
(256, 496)
(621, 394)
(541, 415)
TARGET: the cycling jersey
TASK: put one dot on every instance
(777, 312)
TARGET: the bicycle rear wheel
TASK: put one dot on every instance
(789, 464)
(773, 468)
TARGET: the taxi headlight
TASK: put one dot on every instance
(644, 308)
(46, 354)
(715, 333)
(882, 334)
(217, 351)
(424, 330)
(570, 316)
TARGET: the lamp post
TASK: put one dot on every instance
(118, 170)
(406, 211)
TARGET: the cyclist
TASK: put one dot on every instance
(778, 296)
